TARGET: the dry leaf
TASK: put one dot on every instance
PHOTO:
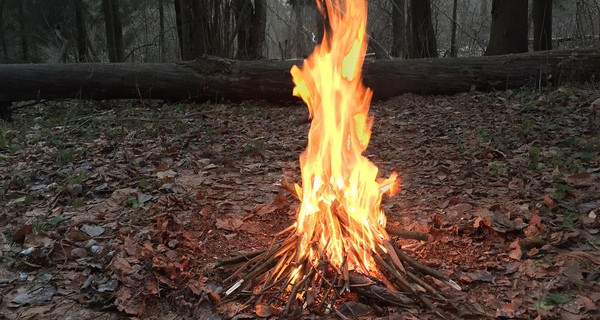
(516, 252)
(121, 265)
(549, 201)
(229, 224)
(263, 310)
(152, 288)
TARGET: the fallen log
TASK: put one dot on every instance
(212, 78)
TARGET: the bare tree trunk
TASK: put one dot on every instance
(243, 20)
(542, 25)
(227, 31)
(81, 32)
(453, 47)
(23, 26)
(258, 29)
(398, 28)
(195, 28)
(120, 50)
(179, 23)
(161, 31)
(110, 31)
(424, 41)
(216, 36)
(2, 35)
(509, 27)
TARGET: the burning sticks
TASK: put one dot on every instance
(279, 278)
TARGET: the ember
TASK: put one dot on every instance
(339, 240)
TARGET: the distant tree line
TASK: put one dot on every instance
(55, 31)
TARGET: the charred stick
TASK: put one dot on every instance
(240, 258)
(274, 273)
(425, 269)
(405, 234)
(293, 292)
(345, 275)
(425, 285)
(402, 283)
(391, 253)
(286, 230)
(254, 262)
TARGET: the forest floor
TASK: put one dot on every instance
(122, 209)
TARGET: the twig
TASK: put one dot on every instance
(405, 234)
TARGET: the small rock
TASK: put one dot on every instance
(26, 251)
(95, 249)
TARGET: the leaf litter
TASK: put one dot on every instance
(106, 214)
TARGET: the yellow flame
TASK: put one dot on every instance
(340, 193)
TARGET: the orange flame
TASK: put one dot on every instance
(340, 216)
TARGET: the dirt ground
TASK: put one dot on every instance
(118, 210)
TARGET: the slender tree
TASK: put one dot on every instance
(114, 31)
(120, 50)
(424, 42)
(258, 29)
(243, 17)
(542, 25)
(195, 28)
(23, 26)
(161, 31)
(398, 28)
(2, 35)
(179, 24)
(81, 31)
(453, 46)
(251, 21)
(509, 27)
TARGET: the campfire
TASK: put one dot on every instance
(339, 243)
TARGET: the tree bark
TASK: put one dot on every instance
(194, 28)
(221, 79)
(23, 26)
(398, 28)
(243, 18)
(509, 27)
(424, 42)
(109, 24)
(258, 29)
(161, 31)
(81, 31)
(453, 47)
(179, 24)
(542, 25)
(2, 34)
(120, 50)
